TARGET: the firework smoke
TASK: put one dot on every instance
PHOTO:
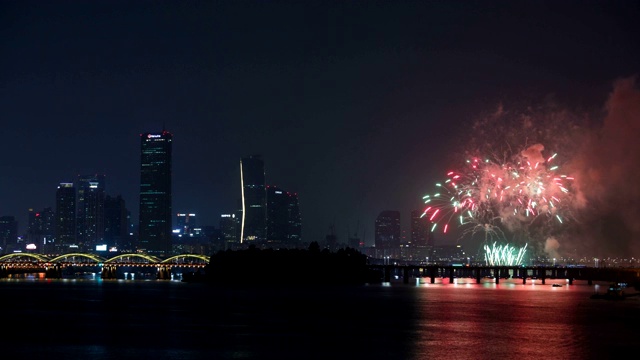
(516, 192)
(551, 246)
(608, 179)
(549, 177)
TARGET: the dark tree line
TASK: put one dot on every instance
(289, 266)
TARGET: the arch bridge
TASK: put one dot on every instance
(110, 268)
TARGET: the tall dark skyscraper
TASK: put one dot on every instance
(420, 230)
(8, 234)
(90, 195)
(116, 227)
(254, 203)
(294, 237)
(387, 236)
(41, 230)
(65, 217)
(283, 218)
(421, 237)
(155, 193)
(228, 231)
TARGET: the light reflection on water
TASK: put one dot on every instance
(499, 321)
(174, 320)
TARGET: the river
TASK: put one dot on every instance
(162, 319)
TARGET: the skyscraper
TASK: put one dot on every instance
(254, 205)
(420, 229)
(8, 234)
(90, 195)
(65, 217)
(421, 237)
(387, 236)
(294, 236)
(228, 232)
(116, 229)
(48, 230)
(155, 193)
(283, 218)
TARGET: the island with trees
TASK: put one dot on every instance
(287, 266)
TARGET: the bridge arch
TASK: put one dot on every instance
(93, 257)
(38, 257)
(175, 258)
(149, 258)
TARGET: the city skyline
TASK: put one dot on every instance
(356, 107)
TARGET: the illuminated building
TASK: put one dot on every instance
(228, 231)
(421, 238)
(420, 230)
(65, 217)
(41, 231)
(254, 212)
(188, 237)
(387, 234)
(90, 195)
(155, 193)
(185, 223)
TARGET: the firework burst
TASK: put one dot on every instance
(503, 255)
(489, 195)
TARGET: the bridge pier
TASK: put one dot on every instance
(54, 272)
(432, 273)
(164, 273)
(387, 273)
(108, 272)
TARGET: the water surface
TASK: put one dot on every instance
(118, 319)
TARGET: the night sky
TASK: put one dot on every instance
(356, 106)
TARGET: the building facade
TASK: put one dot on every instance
(65, 217)
(41, 231)
(8, 234)
(90, 197)
(387, 234)
(284, 228)
(185, 223)
(228, 231)
(155, 214)
(116, 223)
(254, 203)
(421, 244)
